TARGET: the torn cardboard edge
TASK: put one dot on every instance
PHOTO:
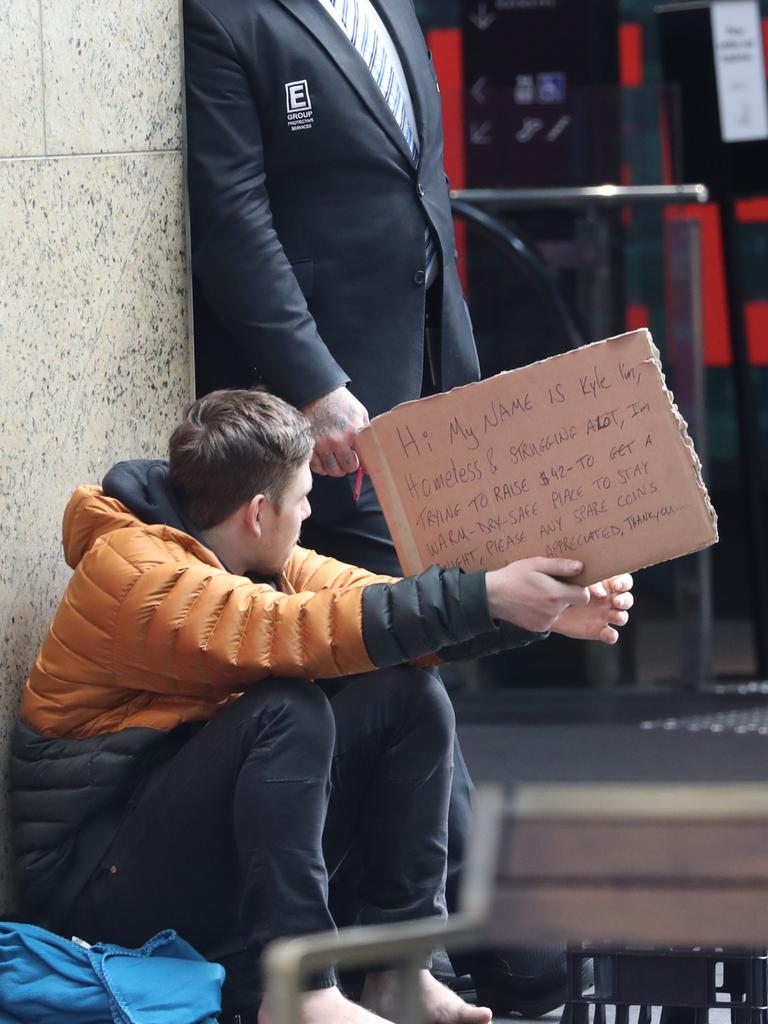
(675, 463)
(686, 439)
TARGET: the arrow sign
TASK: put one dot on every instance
(531, 125)
(477, 92)
(484, 18)
(480, 134)
(558, 128)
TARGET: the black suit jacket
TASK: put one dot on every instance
(307, 214)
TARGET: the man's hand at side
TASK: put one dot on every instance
(335, 418)
(609, 606)
(532, 593)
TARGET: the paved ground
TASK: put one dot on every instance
(554, 1016)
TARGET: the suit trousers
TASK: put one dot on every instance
(232, 842)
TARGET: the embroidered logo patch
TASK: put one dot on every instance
(298, 105)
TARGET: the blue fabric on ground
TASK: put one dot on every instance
(45, 979)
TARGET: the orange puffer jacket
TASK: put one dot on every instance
(153, 631)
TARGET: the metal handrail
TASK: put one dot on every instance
(526, 259)
(593, 195)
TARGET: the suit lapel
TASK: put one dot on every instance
(331, 37)
(400, 19)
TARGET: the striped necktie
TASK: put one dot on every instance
(362, 33)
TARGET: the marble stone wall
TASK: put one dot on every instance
(95, 360)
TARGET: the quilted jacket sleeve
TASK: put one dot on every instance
(195, 627)
(437, 615)
(145, 621)
(307, 570)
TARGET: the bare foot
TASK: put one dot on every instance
(327, 1006)
(441, 1006)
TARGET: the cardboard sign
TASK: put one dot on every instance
(583, 455)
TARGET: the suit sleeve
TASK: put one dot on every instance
(237, 258)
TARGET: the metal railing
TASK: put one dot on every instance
(593, 195)
(526, 260)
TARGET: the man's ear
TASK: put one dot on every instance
(254, 512)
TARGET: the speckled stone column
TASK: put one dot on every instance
(95, 361)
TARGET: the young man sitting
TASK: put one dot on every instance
(176, 764)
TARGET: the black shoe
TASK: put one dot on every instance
(530, 982)
(442, 969)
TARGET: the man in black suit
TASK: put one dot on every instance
(309, 210)
(323, 251)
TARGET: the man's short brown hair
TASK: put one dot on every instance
(231, 446)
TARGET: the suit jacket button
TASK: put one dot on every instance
(420, 189)
(419, 277)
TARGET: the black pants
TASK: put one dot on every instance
(232, 842)
(357, 533)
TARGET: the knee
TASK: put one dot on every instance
(427, 704)
(291, 709)
(439, 707)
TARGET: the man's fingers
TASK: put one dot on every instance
(323, 462)
(574, 595)
(557, 566)
(331, 464)
(347, 459)
(607, 635)
(316, 465)
(569, 593)
(617, 601)
(619, 584)
(334, 461)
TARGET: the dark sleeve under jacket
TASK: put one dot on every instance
(307, 212)
(440, 610)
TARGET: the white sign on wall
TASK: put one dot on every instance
(740, 70)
